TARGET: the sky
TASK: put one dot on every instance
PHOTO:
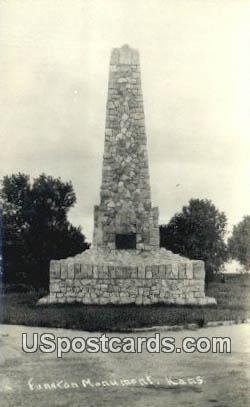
(195, 64)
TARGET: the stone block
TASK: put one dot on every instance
(114, 299)
(105, 271)
(198, 270)
(162, 294)
(100, 272)
(82, 273)
(87, 300)
(89, 270)
(86, 281)
(54, 286)
(112, 273)
(47, 299)
(63, 289)
(134, 272)
(171, 271)
(182, 270)
(69, 282)
(71, 270)
(124, 272)
(64, 270)
(55, 269)
(155, 270)
(77, 267)
(102, 300)
(189, 270)
(198, 294)
(139, 300)
(149, 273)
(95, 272)
(162, 271)
(61, 300)
(201, 301)
(119, 271)
(140, 291)
(210, 300)
(128, 272)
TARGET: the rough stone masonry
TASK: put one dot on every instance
(125, 207)
(126, 264)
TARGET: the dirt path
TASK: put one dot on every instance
(138, 380)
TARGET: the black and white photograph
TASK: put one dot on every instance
(124, 203)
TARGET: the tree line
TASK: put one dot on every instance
(199, 232)
(36, 229)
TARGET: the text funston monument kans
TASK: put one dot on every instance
(126, 264)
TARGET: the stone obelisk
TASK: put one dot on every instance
(125, 217)
(126, 264)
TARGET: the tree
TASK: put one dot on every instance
(36, 228)
(239, 242)
(198, 233)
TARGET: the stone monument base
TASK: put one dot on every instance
(103, 276)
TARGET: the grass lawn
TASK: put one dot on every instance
(233, 303)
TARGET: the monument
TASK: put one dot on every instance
(126, 264)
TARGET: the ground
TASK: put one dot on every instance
(233, 303)
(222, 379)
